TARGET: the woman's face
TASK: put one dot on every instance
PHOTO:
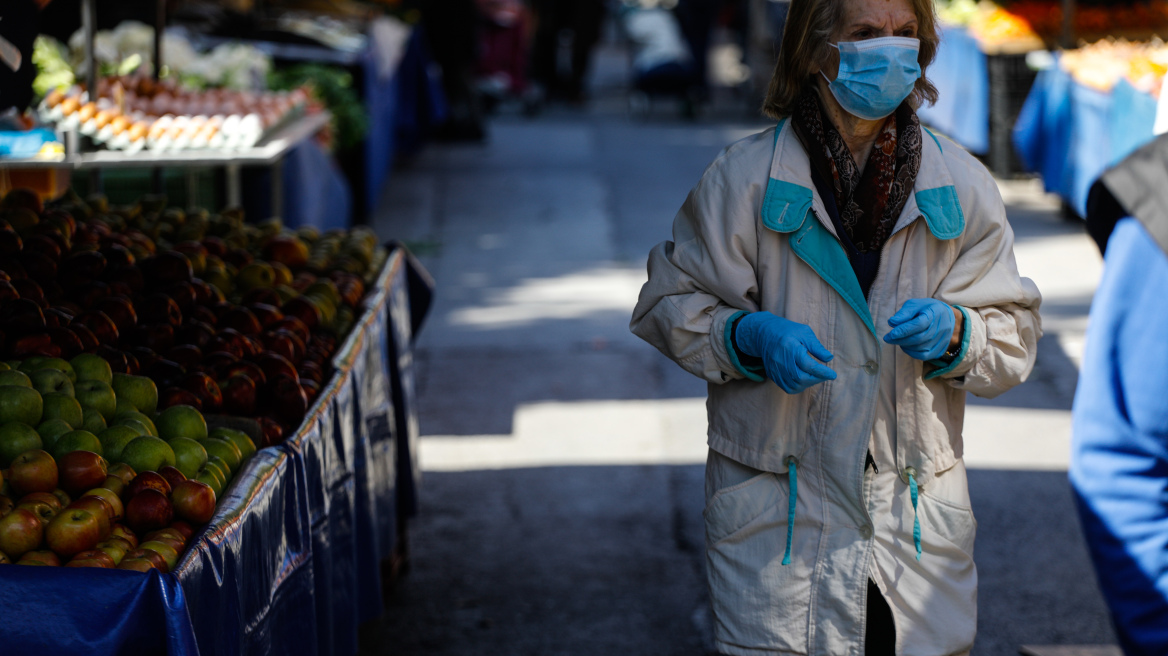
(870, 19)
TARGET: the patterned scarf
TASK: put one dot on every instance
(868, 203)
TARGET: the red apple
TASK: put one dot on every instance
(194, 332)
(100, 508)
(81, 471)
(187, 356)
(148, 510)
(122, 471)
(168, 533)
(246, 368)
(273, 432)
(159, 308)
(287, 400)
(66, 340)
(276, 366)
(179, 396)
(33, 471)
(102, 327)
(6, 505)
(115, 548)
(114, 484)
(121, 310)
(44, 511)
(194, 501)
(47, 497)
(183, 528)
(184, 295)
(114, 501)
(40, 557)
(73, 531)
(206, 389)
(63, 497)
(92, 558)
(304, 310)
(148, 480)
(156, 559)
(239, 395)
(265, 295)
(123, 532)
(20, 531)
(172, 475)
(138, 564)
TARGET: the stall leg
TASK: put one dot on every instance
(278, 189)
(192, 188)
(234, 188)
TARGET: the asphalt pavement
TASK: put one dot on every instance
(562, 491)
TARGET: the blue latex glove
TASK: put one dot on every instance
(786, 349)
(922, 328)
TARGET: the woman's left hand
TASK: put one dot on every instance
(924, 328)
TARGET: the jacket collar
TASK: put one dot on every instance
(791, 193)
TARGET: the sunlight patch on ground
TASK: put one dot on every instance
(572, 296)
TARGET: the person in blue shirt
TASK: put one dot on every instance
(1119, 451)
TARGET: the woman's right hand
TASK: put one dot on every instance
(788, 350)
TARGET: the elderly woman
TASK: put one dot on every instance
(841, 281)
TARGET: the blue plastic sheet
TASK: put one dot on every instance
(960, 74)
(315, 190)
(290, 563)
(1069, 133)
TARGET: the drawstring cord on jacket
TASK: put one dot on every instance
(912, 488)
(793, 478)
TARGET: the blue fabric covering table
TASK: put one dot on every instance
(315, 191)
(1069, 133)
(961, 76)
(290, 562)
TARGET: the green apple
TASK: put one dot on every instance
(59, 364)
(139, 417)
(138, 390)
(189, 455)
(224, 449)
(136, 425)
(22, 404)
(212, 477)
(148, 453)
(93, 421)
(114, 440)
(50, 430)
(31, 363)
(97, 395)
(219, 465)
(78, 440)
(240, 439)
(60, 406)
(4, 366)
(15, 439)
(50, 381)
(181, 421)
(123, 406)
(92, 367)
(14, 377)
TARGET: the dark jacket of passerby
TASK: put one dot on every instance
(1119, 464)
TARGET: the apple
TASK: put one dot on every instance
(117, 509)
(46, 381)
(44, 512)
(125, 418)
(148, 453)
(172, 475)
(66, 340)
(59, 364)
(115, 438)
(224, 449)
(6, 505)
(123, 532)
(47, 497)
(62, 406)
(241, 319)
(15, 439)
(114, 358)
(114, 484)
(187, 356)
(167, 551)
(312, 371)
(40, 557)
(100, 509)
(182, 527)
(168, 534)
(211, 475)
(115, 548)
(33, 471)
(120, 310)
(92, 558)
(189, 455)
(287, 400)
(138, 564)
(155, 559)
(14, 377)
(194, 501)
(239, 395)
(148, 510)
(78, 440)
(20, 531)
(122, 471)
(81, 471)
(20, 404)
(148, 480)
(102, 327)
(246, 368)
(273, 431)
(204, 387)
(195, 333)
(138, 390)
(240, 439)
(89, 341)
(185, 295)
(97, 395)
(265, 295)
(62, 496)
(166, 268)
(92, 420)
(159, 308)
(181, 421)
(89, 366)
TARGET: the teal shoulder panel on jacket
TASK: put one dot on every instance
(942, 211)
(785, 205)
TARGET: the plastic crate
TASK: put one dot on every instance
(1010, 81)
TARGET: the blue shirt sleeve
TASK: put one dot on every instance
(1119, 459)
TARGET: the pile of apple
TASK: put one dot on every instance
(94, 475)
(225, 316)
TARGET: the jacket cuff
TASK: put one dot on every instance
(949, 367)
(724, 351)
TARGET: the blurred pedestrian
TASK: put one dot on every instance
(576, 22)
(841, 281)
(1119, 463)
(452, 29)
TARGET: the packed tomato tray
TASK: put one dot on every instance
(147, 352)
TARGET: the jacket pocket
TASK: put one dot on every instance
(758, 603)
(954, 524)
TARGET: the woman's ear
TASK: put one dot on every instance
(830, 65)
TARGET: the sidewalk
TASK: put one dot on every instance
(561, 505)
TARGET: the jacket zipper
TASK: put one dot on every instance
(871, 462)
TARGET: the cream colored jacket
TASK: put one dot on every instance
(754, 235)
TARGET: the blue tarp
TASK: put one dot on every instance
(959, 72)
(1069, 133)
(315, 190)
(289, 564)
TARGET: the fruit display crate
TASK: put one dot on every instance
(290, 562)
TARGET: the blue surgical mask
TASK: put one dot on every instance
(875, 75)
